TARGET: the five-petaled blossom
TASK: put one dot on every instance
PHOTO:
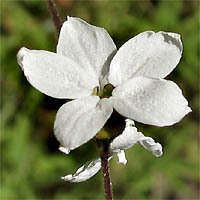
(86, 63)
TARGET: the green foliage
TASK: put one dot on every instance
(31, 163)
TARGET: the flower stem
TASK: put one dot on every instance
(105, 171)
(55, 16)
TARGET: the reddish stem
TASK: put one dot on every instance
(55, 16)
(106, 171)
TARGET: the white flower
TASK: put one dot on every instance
(86, 61)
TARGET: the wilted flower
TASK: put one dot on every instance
(126, 140)
(88, 68)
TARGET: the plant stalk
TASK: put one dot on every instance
(106, 171)
(55, 16)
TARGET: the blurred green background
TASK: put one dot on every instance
(31, 164)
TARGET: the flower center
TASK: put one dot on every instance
(116, 123)
(105, 93)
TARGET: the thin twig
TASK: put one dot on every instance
(106, 171)
(55, 16)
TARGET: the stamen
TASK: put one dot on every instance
(95, 91)
(107, 91)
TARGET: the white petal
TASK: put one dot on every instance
(80, 120)
(150, 101)
(55, 75)
(64, 150)
(127, 139)
(90, 46)
(85, 172)
(149, 144)
(121, 157)
(147, 54)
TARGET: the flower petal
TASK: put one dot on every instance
(90, 46)
(80, 120)
(85, 172)
(150, 101)
(55, 75)
(149, 144)
(64, 150)
(127, 139)
(122, 157)
(147, 54)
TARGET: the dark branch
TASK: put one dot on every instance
(106, 171)
(55, 16)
